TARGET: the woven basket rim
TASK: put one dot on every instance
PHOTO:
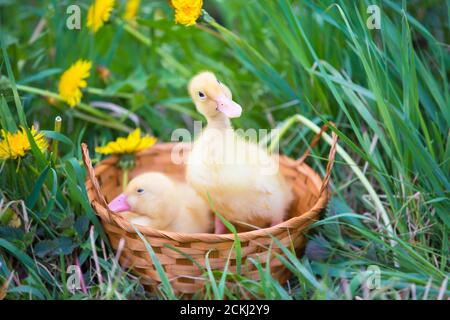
(306, 218)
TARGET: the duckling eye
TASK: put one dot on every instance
(201, 95)
(140, 191)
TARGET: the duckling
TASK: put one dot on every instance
(239, 177)
(157, 201)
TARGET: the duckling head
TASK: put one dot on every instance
(211, 97)
(149, 194)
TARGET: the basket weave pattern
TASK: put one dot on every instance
(104, 183)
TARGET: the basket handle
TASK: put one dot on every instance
(92, 177)
(331, 155)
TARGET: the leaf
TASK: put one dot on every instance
(11, 234)
(44, 247)
(53, 191)
(40, 75)
(62, 245)
(77, 191)
(137, 81)
(7, 121)
(58, 136)
(318, 248)
(166, 286)
(26, 261)
(27, 291)
(81, 225)
(33, 197)
(67, 221)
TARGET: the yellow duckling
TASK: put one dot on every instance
(240, 177)
(157, 201)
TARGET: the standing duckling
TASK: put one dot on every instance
(240, 177)
(157, 201)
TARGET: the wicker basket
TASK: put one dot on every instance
(104, 183)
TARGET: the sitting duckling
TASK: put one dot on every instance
(161, 203)
(241, 178)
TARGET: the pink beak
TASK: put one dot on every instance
(119, 203)
(228, 107)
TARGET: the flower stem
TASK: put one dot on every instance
(134, 32)
(125, 178)
(126, 162)
(46, 93)
(104, 93)
(147, 42)
(58, 121)
(100, 117)
(40, 92)
(81, 105)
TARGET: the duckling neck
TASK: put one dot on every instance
(219, 122)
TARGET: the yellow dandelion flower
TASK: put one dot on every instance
(98, 13)
(187, 11)
(16, 145)
(131, 10)
(72, 80)
(129, 145)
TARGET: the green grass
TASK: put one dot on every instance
(290, 64)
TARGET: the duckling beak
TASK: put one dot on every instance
(119, 203)
(228, 107)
